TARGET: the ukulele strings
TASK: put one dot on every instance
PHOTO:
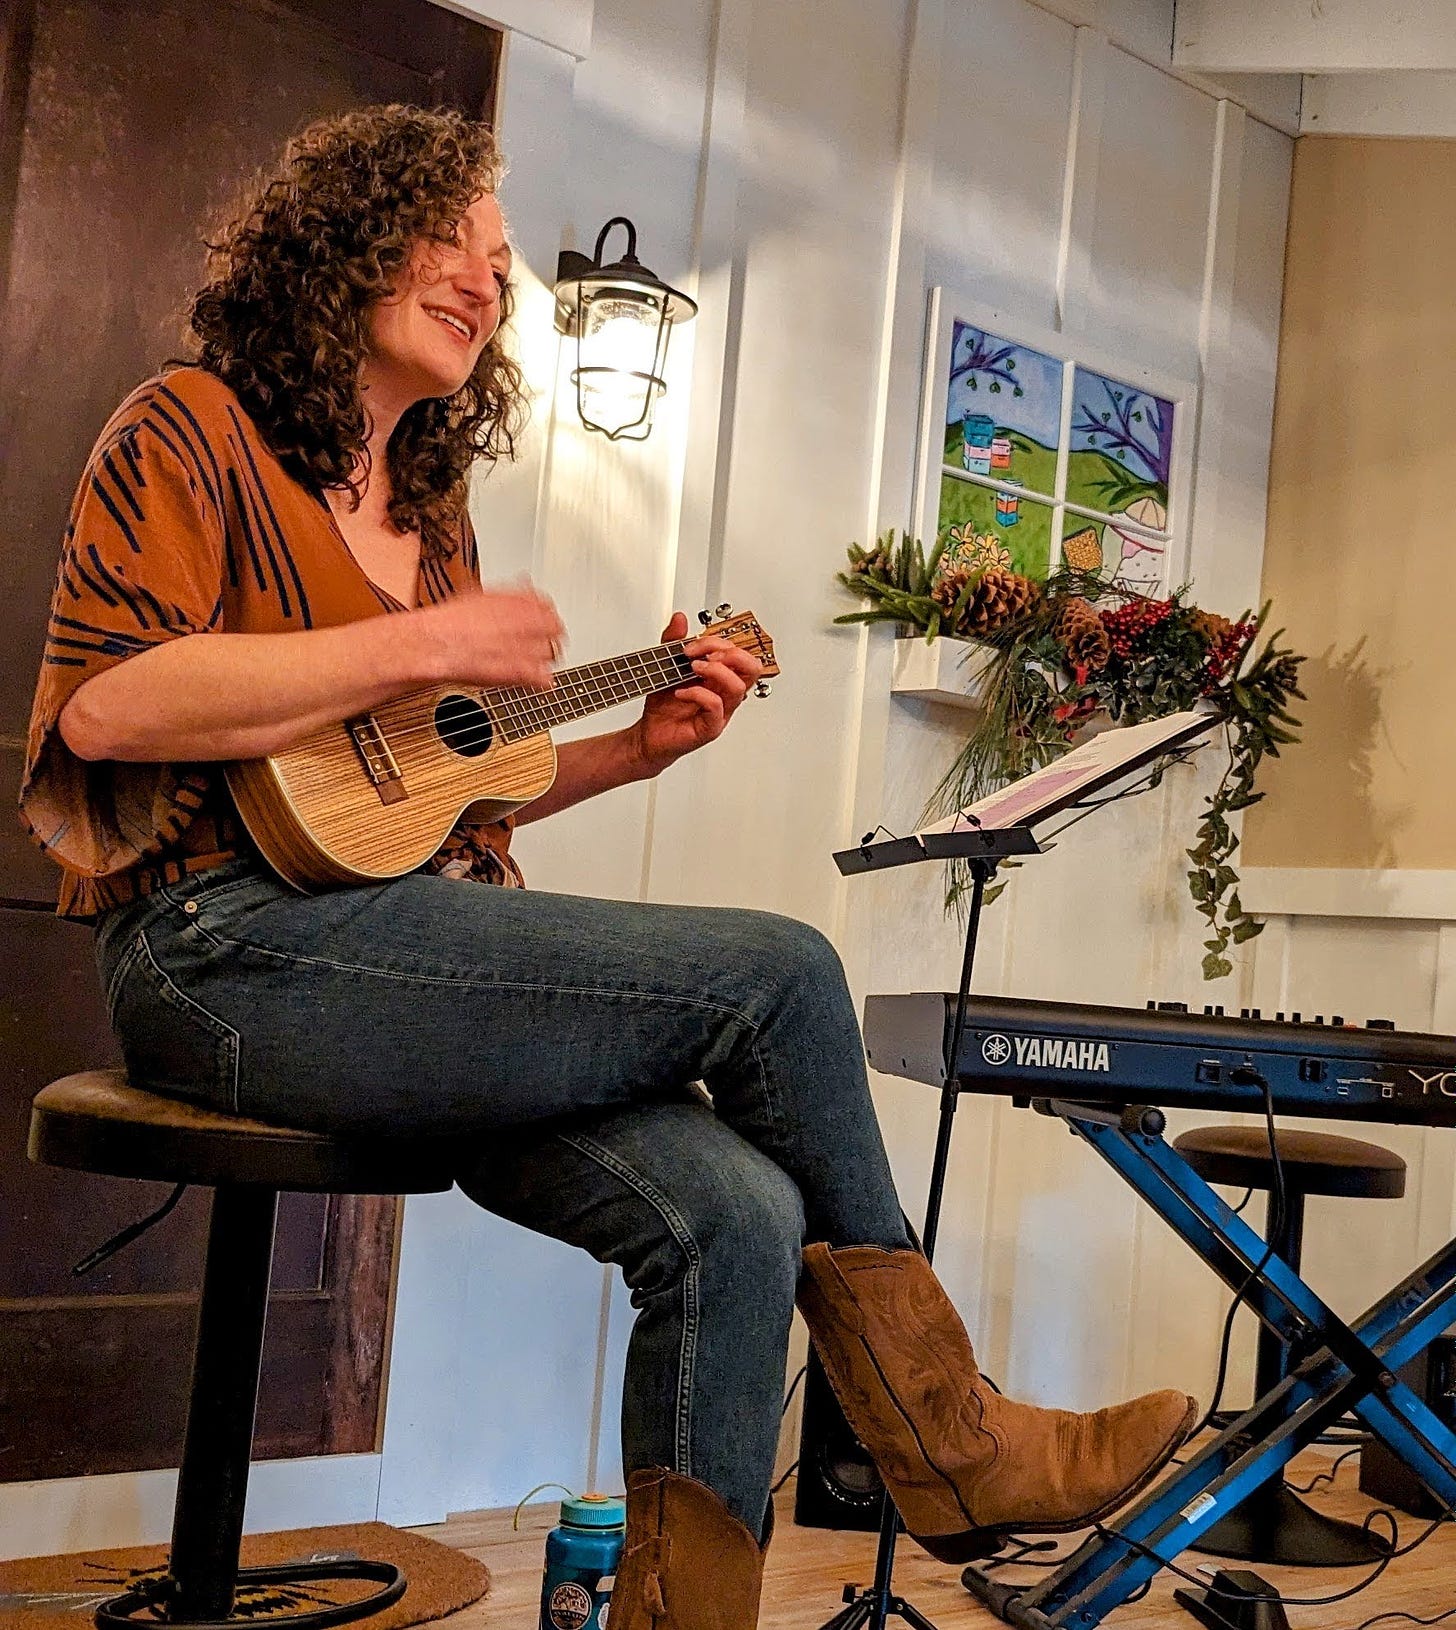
(515, 705)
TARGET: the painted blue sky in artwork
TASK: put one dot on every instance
(985, 373)
(1131, 426)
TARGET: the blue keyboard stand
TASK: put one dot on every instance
(1335, 1367)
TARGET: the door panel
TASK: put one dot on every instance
(122, 127)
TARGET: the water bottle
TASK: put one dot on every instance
(581, 1562)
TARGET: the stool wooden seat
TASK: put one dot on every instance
(98, 1122)
(1273, 1524)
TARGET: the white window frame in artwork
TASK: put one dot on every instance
(949, 306)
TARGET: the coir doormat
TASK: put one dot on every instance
(62, 1592)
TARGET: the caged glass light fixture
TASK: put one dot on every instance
(621, 316)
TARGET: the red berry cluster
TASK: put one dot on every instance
(1128, 623)
(1226, 652)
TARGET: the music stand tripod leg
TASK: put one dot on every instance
(879, 1602)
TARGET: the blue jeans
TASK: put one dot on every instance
(558, 1039)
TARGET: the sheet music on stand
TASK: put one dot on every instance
(1000, 825)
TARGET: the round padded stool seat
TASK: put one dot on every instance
(96, 1122)
(1313, 1162)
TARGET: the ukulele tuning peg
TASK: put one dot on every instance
(705, 617)
(763, 688)
(725, 610)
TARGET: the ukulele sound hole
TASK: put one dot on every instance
(465, 727)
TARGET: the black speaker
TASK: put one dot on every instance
(838, 1485)
(1383, 1476)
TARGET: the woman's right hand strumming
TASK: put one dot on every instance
(509, 635)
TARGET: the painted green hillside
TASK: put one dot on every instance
(1093, 479)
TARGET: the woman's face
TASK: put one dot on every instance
(425, 339)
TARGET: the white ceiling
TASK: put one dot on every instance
(1369, 67)
(1337, 67)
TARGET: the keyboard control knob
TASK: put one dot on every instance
(1279, 1016)
(1337, 1019)
(1380, 1024)
(1257, 1013)
(1295, 1018)
(1172, 1007)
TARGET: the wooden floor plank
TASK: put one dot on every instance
(808, 1566)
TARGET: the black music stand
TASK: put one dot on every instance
(983, 847)
(982, 850)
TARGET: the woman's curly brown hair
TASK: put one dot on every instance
(314, 243)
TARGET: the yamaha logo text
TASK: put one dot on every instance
(1047, 1053)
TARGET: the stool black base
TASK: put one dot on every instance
(207, 1528)
(1274, 1525)
(120, 1613)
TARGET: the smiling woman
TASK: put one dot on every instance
(426, 338)
(319, 277)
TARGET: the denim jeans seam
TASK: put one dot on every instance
(770, 1098)
(124, 965)
(227, 1034)
(469, 983)
(683, 1234)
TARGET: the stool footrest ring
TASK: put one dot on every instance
(120, 1612)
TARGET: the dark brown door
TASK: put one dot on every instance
(123, 128)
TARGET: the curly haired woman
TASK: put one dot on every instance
(275, 539)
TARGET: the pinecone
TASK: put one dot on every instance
(1078, 629)
(949, 581)
(999, 597)
(1209, 626)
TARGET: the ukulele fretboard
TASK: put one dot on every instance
(578, 692)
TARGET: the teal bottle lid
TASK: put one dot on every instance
(594, 1511)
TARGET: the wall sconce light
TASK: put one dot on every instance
(621, 317)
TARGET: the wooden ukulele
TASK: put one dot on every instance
(375, 796)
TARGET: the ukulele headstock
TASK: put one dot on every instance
(745, 631)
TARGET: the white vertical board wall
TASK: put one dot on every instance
(817, 194)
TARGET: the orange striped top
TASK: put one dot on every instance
(184, 522)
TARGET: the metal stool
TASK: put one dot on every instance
(1273, 1524)
(96, 1122)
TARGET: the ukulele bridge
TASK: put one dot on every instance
(378, 759)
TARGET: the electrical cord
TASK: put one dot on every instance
(1325, 1476)
(788, 1399)
(1247, 1075)
(793, 1388)
(1410, 1618)
(1203, 1584)
(1024, 1548)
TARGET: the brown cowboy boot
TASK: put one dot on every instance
(964, 1465)
(688, 1563)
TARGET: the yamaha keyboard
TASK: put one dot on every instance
(1167, 1056)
